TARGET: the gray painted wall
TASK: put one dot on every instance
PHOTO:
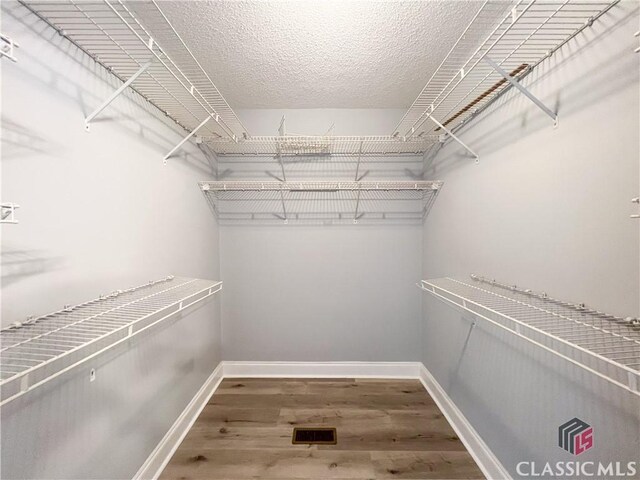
(546, 209)
(98, 212)
(320, 292)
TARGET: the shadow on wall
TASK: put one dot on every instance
(17, 265)
(135, 117)
(67, 402)
(21, 141)
(595, 83)
(156, 346)
(553, 387)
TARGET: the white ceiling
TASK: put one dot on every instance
(320, 53)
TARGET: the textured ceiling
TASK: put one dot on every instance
(320, 53)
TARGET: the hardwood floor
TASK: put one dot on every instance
(385, 428)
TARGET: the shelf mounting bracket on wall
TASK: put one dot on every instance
(114, 95)
(284, 208)
(356, 217)
(284, 180)
(282, 132)
(8, 214)
(452, 135)
(523, 90)
(358, 164)
(184, 140)
(8, 47)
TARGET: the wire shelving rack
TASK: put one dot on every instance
(136, 41)
(516, 36)
(170, 77)
(322, 145)
(605, 345)
(40, 349)
(321, 201)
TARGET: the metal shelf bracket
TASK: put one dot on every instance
(359, 159)
(7, 49)
(282, 132)
(114, 95)
(523, 90)
(452, 135)
(8, 212)
(184, 140)
(355, 215)
(284, 208)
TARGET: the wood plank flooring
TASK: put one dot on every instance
(386, 429)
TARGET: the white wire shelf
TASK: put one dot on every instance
(517, 36)
(605, 345)
(113, 34)
(300, 145)
(8, 212)
(8, 47)
(136, 41)
(321, 201)
(40, 349)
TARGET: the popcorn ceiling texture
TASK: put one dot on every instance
(320, 54)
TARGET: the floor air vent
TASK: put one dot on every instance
(316, 436)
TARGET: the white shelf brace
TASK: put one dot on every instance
(284, 176)
(284, 208)
(451, 134)
(8, 212)
(358, 164)
(523, 90)
(191, 134)
(356, 217)
(8, 48)
(114, 95)
(282, 132)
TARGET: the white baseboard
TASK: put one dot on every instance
(154, 465)
(481, 453)
(323, 369)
